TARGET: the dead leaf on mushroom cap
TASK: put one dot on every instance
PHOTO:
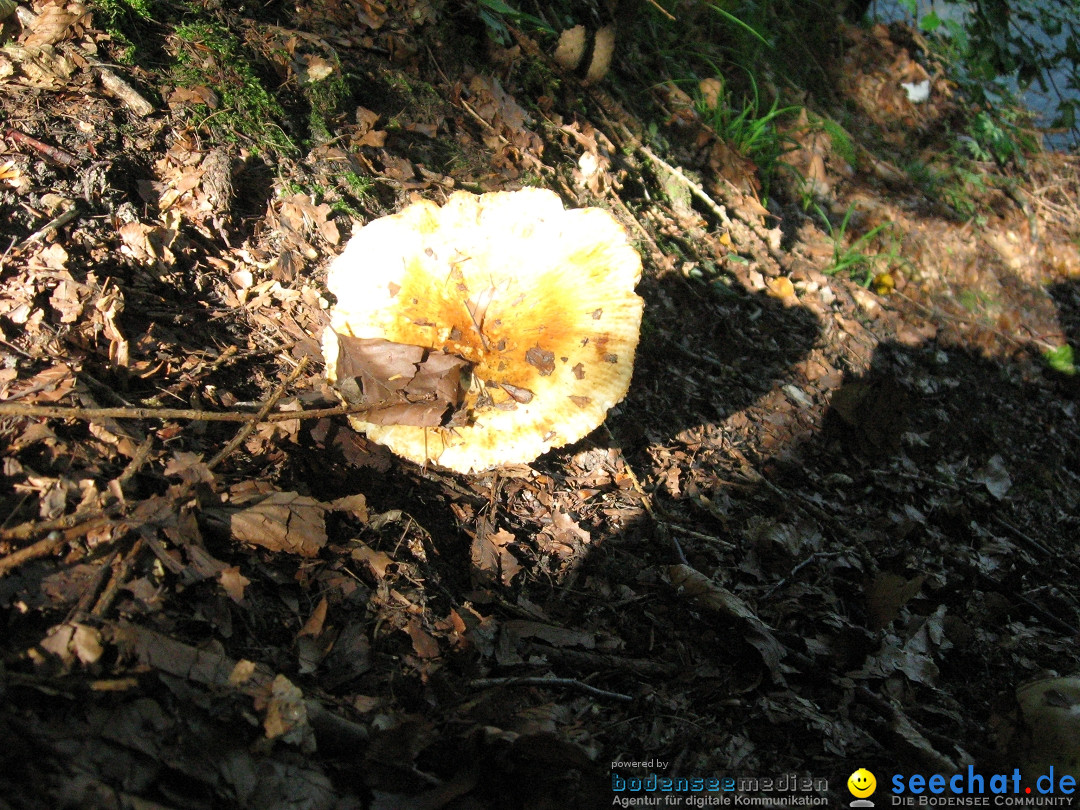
(538, 299)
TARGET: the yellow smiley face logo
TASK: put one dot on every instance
(861, 783)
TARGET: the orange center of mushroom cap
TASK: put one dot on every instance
(539, 299)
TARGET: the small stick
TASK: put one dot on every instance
(51, 152)
(247, 429)
(41, 548)
(113, 83)
(104, 414)
(654, 513)
(663, 10)
(24, 531)
(60, 221)
(695, 189)
(119, 577)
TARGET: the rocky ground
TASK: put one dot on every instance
(832, 525)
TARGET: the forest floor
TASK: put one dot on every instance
(832, 525)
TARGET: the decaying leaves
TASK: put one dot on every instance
(283, 521)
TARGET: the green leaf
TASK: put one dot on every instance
(1061, 359)
(930, 22)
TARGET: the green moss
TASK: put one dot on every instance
(207, 54)
(122, 19)
(359, 185)
(118, 11)
(325, 98)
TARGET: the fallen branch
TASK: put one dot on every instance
(50, 152)
(42, 548)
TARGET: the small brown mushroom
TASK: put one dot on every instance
(537, 300)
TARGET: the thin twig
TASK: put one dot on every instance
(33, 528)
(52, 225)
(655, 512)
(142, 455)
(695, 189)
(51, 152)
(58, 528)
(119, 577)
(264, 411)
(663, 10)
(104, 414)
(537, 680)
(42, 548)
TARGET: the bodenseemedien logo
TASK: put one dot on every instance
(862, 785)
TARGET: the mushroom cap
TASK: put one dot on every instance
(538, 299)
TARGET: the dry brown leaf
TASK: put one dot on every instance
(53, 257)
(284, 521)
(49, 385)
(492, 559)
(551, 633)
(109, 306)
(376, 561)
(147, 244)
(371, 13)
(366, 134)
(285, 715)
(424, 644)
(234, 583)
(74, 641)
(707, 594)
(314, 625)
(887, 594)
(182, 96)
(190, 467)
(356, 505)
(66, 299)
(55, 22)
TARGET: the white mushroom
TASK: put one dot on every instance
(538, 300)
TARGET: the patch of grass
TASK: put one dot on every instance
(953, 181)
(856, 258)
(749, 131)
(977, 302)
(840, 139)
(208, 55)
(117, 11)
(496, 13)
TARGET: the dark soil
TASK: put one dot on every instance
(833, 524)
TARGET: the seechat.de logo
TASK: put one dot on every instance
(862, 785)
